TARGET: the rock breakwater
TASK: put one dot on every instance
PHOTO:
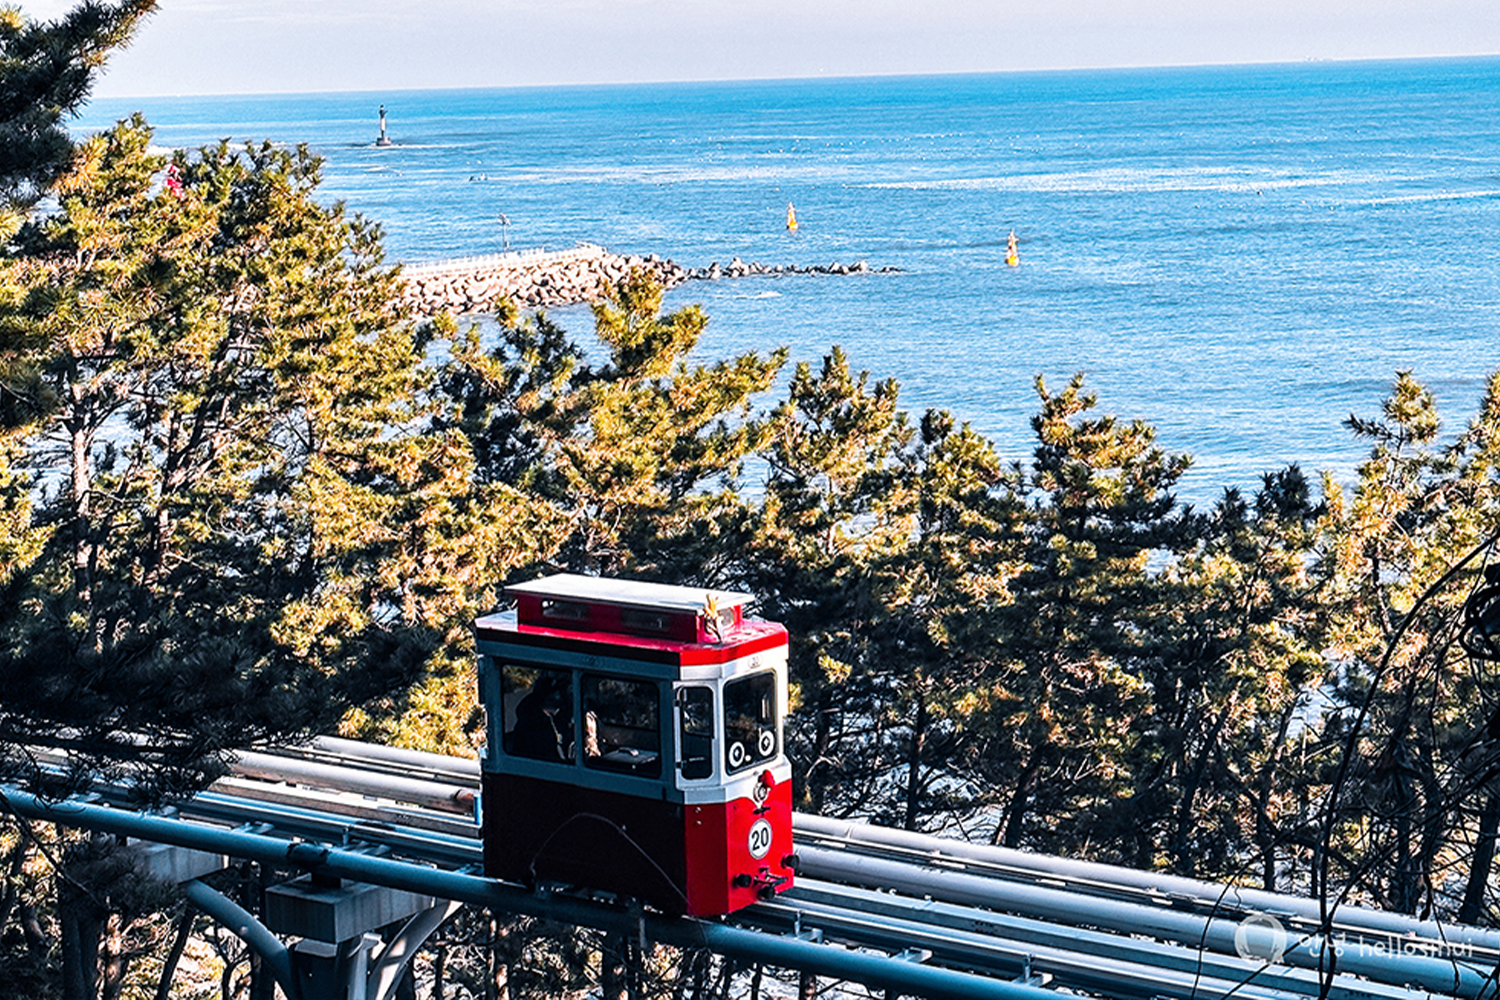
(737, 268)
(585, 273)
(529, 278)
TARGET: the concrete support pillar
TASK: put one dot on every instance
(340, 957)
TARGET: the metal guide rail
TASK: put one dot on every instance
(1077, 924)
(1007, 923)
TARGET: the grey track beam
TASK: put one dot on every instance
(877, 971)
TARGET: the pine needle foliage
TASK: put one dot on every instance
(46, 70)
(638, 455)
(235, 533)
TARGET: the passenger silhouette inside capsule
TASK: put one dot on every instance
(544, 720)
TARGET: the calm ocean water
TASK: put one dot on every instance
(1242, 256)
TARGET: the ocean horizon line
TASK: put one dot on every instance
(1035, 73)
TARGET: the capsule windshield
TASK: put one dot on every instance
(750, 724)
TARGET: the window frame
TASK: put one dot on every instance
(682, 734)
(564, 720)
(753, 757)
(649, 767)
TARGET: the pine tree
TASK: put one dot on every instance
(1100, 501)
(939, 597)
(45, 74)
(1408, 737)
(46, 71)
(249, 528)
(1231, 643)
(637, 457)
(824, 523)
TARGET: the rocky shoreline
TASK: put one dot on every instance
(585, 273)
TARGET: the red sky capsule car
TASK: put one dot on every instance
(635, 743)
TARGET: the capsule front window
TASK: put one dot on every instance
(750, 723)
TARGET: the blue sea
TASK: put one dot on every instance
(1241, 256)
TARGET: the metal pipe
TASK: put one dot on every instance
(1089, 876)
(432, 794)
(1392, 932)
(1115, 977)
(1092, 877)
(1079, 957)
(1214, 933)
(243, 924)
(879, 971)
(358, 808)
(418, 760)
(311, 824)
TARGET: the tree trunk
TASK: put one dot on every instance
(31, 928)
(1182, 857)
(1008, 833)
(439, 970)
(179, 942)
(689, 972)
(914, 760)
(13, 865)
(81, 925)
(1483, 861)
(497, 983)
(1405, 876)
(612, 967)
(1265, 833)
(813, 787)
(113, 962)
(262, 982)
(80, 489)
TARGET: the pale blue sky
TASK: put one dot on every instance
(254, 46)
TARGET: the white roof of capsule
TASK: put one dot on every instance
(632, 593)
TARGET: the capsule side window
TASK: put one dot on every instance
(750, 723)
(622, 725)
(538, 708)
(695, 739)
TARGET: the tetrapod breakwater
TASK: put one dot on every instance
(584, 273)
(529, 278)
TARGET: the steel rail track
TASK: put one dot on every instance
(825, 839)
(1010, 945)
(962, 939)
(956, 909)
(989, 923)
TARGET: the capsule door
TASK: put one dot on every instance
(697, 734)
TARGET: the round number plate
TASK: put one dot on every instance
(759, 840)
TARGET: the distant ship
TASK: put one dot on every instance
(791, 218)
